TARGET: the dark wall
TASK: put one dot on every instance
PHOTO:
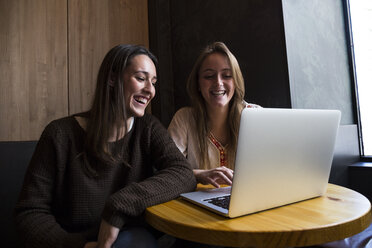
(292, 54)
(346, 153)
(253, 31)
(14, 159)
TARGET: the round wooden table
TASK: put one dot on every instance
(338, 214)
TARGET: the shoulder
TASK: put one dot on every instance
(149, 131)
(250, 105)
(147, 119)
(64, 123)
(59, 136)
(182, 126)
(184, 114)
(147, 123)
(182, 119)
(62, 128)
(185, 111)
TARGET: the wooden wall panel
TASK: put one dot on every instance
(50, 51)
(94, 27)
(33, 69)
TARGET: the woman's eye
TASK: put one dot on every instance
(227, 76)
(153, 83)
(208, 76)
(140, 79)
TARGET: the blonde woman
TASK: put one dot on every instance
(207, 132)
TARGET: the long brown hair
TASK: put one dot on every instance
(199, 106)
(108, 111)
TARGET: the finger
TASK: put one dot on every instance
(228, 172)
(223, 168)
(105, 244)
(212, 182)
(227, 169)
(223, 171)
(222, 178)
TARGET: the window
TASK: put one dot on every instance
(360, 12)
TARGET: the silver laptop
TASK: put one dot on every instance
(283, 156)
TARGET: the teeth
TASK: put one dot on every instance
(141, 99)
(218, 92)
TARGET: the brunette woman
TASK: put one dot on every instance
(93, 174)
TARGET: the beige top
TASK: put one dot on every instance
(183, 132)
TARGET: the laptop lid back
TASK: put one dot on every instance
(283, 156)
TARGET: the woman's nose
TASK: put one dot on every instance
(219, 80)
(148, 84)
(149, 87)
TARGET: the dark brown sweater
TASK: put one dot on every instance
(61, 206)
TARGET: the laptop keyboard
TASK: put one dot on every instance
(220, 201)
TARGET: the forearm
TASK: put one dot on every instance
(132, 200)
(38, 230)
(173, 176)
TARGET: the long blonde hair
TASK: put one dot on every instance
(199, 105)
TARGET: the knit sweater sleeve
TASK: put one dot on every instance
(173, 176)
(34, 217)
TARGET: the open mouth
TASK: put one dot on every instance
(141, 99)
(218, 92)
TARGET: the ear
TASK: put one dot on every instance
(112, 79)
(111, 83)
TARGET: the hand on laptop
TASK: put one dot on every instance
(215, 177)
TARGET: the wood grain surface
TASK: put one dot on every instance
(338, 214)
(95, 26)
(33, 66)
(50, 52)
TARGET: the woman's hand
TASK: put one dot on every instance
(216, 176)
(107, 235)
(91, 245)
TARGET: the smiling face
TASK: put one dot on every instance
(215, 81)
(139, 81)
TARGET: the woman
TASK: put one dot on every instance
(93, 174)
(207, 132)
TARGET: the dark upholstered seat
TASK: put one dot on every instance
(14, 159)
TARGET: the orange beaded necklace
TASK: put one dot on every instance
(222, 150)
